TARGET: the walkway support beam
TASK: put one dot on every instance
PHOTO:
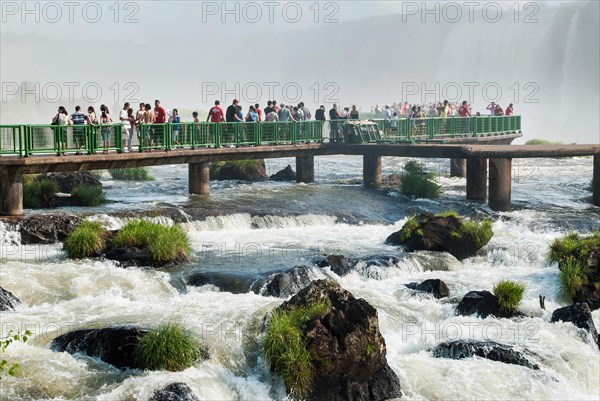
(305, 169)
(596, 180)
(11, 194)
(476, 178)
(199, 178)
(458, 168)
(500, 184)
(371, 171)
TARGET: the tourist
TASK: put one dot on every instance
(127, 130)
(275, 105)
(195, 117)
(499, 111)
(259, 112)
(443, 110)
(320, 114)
(91, 118)
(269, 108)
(231, 111)
(132, 121)
(298, 114)
(305, 111)
(509, 110)
(239, 115)
(334, 126)
(78, 119)
(216, 114)
(61, 118)
(252, 115)
(354, 115)
(387, 113)
(139, 119)
(105, 121)
(414, 116)
(465, 112)
(284, 114)
(344, 114)
(492, 108)
(148, 118)
(176, 121)
(272, 116)
(394, 122)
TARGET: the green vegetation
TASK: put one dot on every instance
(408, 228)
(479, 233)
(39, 193)
(131, 174)
(509, 295)
(89, 195)
(419, 183)
(166, 244)
(285, 347)
(240, 168)
(168, 347)
(571, 277)
(5, 366)
(448, 213)
(88, 239)
(537, 141)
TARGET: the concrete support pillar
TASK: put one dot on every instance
(500, 184)
(458, 168)
(11, 195)
(371, 171)
(305, 168)
(476, 178)
(596, 180)
(199, 178)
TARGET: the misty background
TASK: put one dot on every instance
(542, 56)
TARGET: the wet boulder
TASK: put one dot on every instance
(484, 349)
(287, 174)
(339, 264)
(47, 228)
(580, 315)
(174, 392)
(8, 301)
(442, 233)
(435, 287)
(67, 181)
(347, 350)
(482, 304)
(236, 283)
(286, 283)
(114, 345)
(243, 170)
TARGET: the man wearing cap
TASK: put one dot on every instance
(230, 113)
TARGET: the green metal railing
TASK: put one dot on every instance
(25, 140)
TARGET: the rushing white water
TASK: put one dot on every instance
(60, 295)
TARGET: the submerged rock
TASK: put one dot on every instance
(580, 315)
(8, 301)
(286, 283)
(236, 283)
(485, 349)
(47, 228)
(287, 174)
(436, 287)
(483, 304)
(431, 232)
(345, 345)
(174, 392)
(114, 345)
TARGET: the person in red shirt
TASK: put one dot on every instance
(216, 113)
(509, 110)
(160, 114)
(465, 112)
(259, 112)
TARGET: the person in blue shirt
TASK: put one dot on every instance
(175, 120)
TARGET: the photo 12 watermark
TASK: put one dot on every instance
(253, 12)
(454, 12)
(69, 92)
(54, 12)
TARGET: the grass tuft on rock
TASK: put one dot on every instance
(131, 174)
(285, 348)
(87, 240)
(39, 194)
(571, 277)
(165, 244)
(419, 183)
(168, 347)
(509, 295)
(448, 213)
(480, 233)
(89, 195)
(573, 246)
(409, 228)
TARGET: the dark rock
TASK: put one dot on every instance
(114, 345)
(7, 300)
(67, 181)
(132, 256)
(485, 349)
(228, 282)
(588, 293)
(580, 315)
(483, 304)
(346, 347)
(437, 233)
(174, 392)
(47, 228)
(437, 287)
(287, 174)
(340, 264)
(243, 170)
(284, 284)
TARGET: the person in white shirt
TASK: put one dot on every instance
(127, 130)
